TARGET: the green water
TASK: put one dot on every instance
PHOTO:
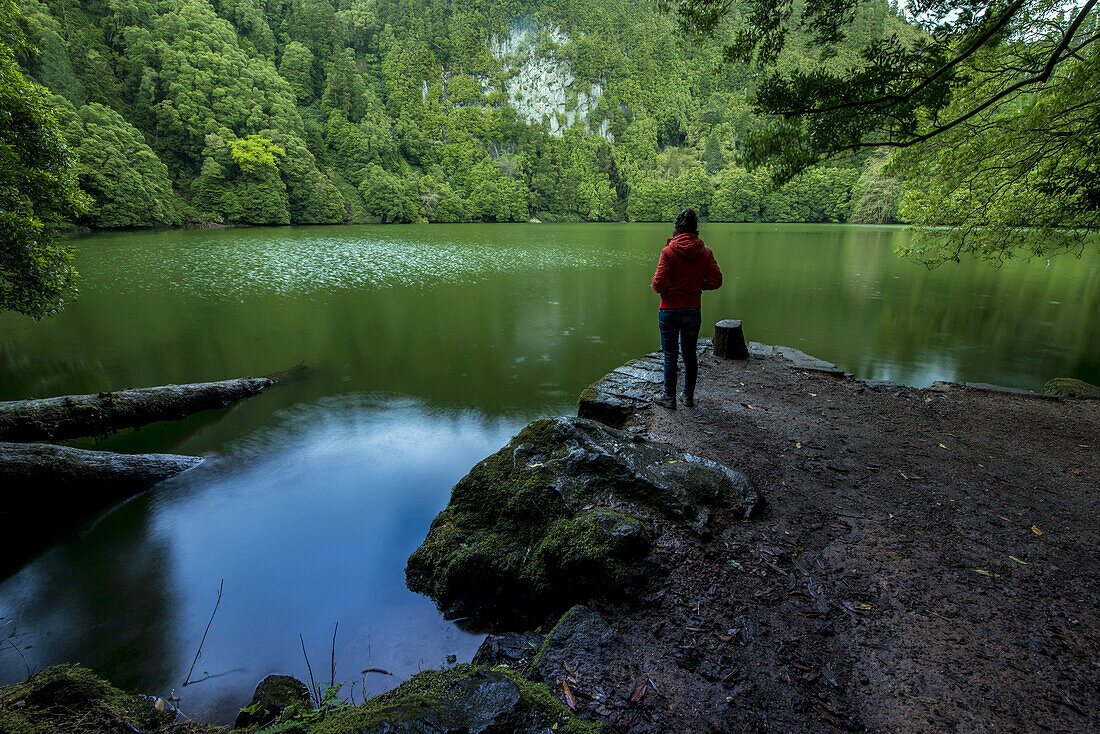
(428, 347)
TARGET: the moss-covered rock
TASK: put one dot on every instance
(71, 699)
(1067, 387)
(562, 514)
(466, 698)
(271, 697)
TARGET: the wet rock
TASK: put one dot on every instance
(460, 700)
(582, 642)
(272, 696)
(563, 514)
(613, 399)
(514, 649)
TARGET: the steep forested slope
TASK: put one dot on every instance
(330, 111)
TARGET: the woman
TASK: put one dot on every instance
(686, 269)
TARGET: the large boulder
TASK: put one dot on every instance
(466, 699)
(563, 513)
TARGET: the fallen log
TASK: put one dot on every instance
(74, 416)
(67, 473)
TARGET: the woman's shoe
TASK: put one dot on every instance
(665, 401)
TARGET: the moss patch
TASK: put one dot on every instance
(71, 699)
(458, 699)
(1067, 387)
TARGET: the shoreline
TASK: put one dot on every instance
(923, 561)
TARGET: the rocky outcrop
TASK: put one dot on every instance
(565, 512)
(541, 86)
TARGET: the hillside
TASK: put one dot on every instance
(335, 111)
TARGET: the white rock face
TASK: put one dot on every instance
(544, 88)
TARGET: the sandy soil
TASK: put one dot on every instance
(926, 562)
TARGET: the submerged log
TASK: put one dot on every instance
(729, 340)
(49, 491)
(74, 416)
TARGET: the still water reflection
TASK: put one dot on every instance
(429, 347)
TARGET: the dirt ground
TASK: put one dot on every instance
(926, 562)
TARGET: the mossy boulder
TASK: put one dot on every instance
(74, 700)
(464, 699)
(1067, 387)
(564, 513)
(271, 697)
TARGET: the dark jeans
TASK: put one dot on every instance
(679, 325)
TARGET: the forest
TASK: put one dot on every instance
(352, 111)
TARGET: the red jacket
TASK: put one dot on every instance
(686, 269)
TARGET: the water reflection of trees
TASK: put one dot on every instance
(104, 599)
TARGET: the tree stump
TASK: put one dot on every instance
(729, 340)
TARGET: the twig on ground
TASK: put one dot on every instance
(198, 652)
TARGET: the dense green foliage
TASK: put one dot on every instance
(37, 188)
(329, 111)
(992, 104)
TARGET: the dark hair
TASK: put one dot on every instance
(686, 221)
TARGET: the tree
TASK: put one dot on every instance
(38, 189)
(114, 164)
(297, 67)
(1013, 78)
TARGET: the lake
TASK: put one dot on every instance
(429, 346)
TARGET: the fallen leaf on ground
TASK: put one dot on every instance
(1036, 530)
(569, 700)
(748, 406)
(1014, 558)
(535, 466)
(763, 592)
(639, 692)
(983, 572)
(942, 446)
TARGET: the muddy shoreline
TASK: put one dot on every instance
(925, 561)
